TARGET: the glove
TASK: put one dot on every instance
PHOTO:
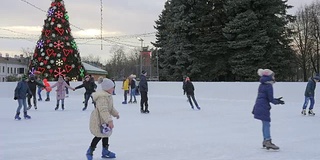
(15, 98)
(279, 101)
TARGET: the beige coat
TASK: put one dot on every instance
(104, 107)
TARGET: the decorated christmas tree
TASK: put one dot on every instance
(56, 51)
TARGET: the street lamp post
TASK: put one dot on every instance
(157, 57)
(141, 40)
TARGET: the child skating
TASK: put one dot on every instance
(309, 95)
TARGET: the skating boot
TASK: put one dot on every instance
(198, 107)
(62, 106)
(134, 101)
(26, 116)
(84, 108)
(17, 117)
(57, 107)
(146, 110)
(35, 107)
(142, 111)
(29, 107)
(39, 99)
(192, 107)
(269, 145)
(89, 153)
(130, 101)
(124, 102)
(311, 113)
(303, 112)
(107, 154)
(47, 99)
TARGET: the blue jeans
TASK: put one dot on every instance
(48, 95)
(266, 130)
(22, 102)
(86, 98)
(39, 93)
(306, 101)
(133, 93)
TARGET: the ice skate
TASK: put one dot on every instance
(35, 107)
(269, 145)
(48, 99)
(303, 112)
(311, 113)
(130, 101)
(107, 154)
(29, 107)
(17, 117)
(56, 107)
(26, 116)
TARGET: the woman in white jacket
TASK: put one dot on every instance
(102, 114)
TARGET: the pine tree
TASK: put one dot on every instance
(56, 51)
(257, 37)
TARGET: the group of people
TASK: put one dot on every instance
(129, 86)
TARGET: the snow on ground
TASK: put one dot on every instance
(224, 128)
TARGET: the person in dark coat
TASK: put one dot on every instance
(20, 94)
(309, 95)
(261, 109)
(32, 83)
(143, 86)
(189, 89)
(90, 87)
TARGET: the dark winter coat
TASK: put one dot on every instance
(261, 109)
(143, 84)
(188, 88)
(33, 85)
(22, 90)
(311, 86)
(89, 86)
(133, 83)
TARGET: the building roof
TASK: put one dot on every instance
(93, 70)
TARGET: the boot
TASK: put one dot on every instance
(130, 101)
(62, 106)
(89, 153)
(107, 154)
(29, 107)
(47, 99)
(135, 101)
(17, 117)
(35, 107)
(26, 116)
(303, 112)
(198, 107)
(57, 107)
(124, 102)
(84, 108)
(141, 110)
(146, 110)
(311, 113)
(269, 145)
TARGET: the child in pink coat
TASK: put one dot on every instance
(61, 91)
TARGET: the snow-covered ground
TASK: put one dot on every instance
(224, 128)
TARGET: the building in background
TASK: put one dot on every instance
(94, 71)
(12, 66)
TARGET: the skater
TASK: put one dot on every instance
(20, 93)
(67, 80)
(261, 109)
(125, 87)
(102, 114)
(114, 91)
(309, 95)
(132, 88)
(32, 83)
(48, 89)
(39, 88)
(61, 91)
(189, 89)
(89, 87)
(143, 86)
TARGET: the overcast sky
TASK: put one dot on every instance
(120, 17)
